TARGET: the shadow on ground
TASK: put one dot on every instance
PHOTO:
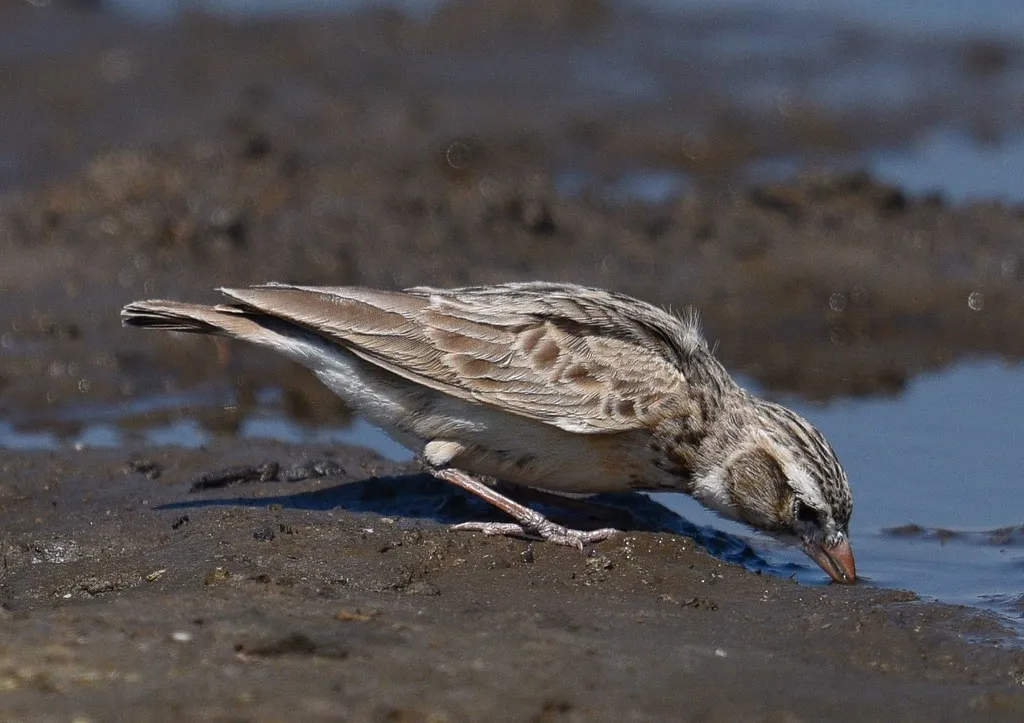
(422, 497)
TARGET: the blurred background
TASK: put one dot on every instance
(912, 91)
(836, 187)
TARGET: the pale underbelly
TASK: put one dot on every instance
(498, 443)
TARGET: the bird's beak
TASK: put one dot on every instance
(837, 561)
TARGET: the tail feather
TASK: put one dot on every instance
(177, 316)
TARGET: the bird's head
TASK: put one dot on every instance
(781, 476)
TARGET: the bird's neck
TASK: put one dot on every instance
(694, 442)
(725, 434)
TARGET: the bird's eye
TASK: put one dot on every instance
(806, 513)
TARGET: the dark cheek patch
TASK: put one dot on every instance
(757, 484)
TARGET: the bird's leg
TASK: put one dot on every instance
(438, 454)
(584, 506)
(528, 522)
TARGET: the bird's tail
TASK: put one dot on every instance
(193, 318)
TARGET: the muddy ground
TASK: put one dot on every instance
(165, 161)
(129, 597)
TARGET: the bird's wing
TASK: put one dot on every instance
(581, 359)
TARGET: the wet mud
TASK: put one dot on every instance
(124, 591)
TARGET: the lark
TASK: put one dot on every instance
(552, 386)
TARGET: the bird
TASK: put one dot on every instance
(552, 386)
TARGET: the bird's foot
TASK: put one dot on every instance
(545, 529)
(529, 523)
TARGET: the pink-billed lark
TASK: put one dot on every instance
(551, 386)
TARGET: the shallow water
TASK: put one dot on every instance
(936, 474)
(945, 161)
(959, 168)
(645, 185)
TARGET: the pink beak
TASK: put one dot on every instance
(837, 561)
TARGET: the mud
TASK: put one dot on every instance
(166, 161)
(125, 595)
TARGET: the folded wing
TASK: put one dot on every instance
(584, 360)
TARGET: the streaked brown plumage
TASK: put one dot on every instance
(552, 386)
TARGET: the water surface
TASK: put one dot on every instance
(937, 475)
